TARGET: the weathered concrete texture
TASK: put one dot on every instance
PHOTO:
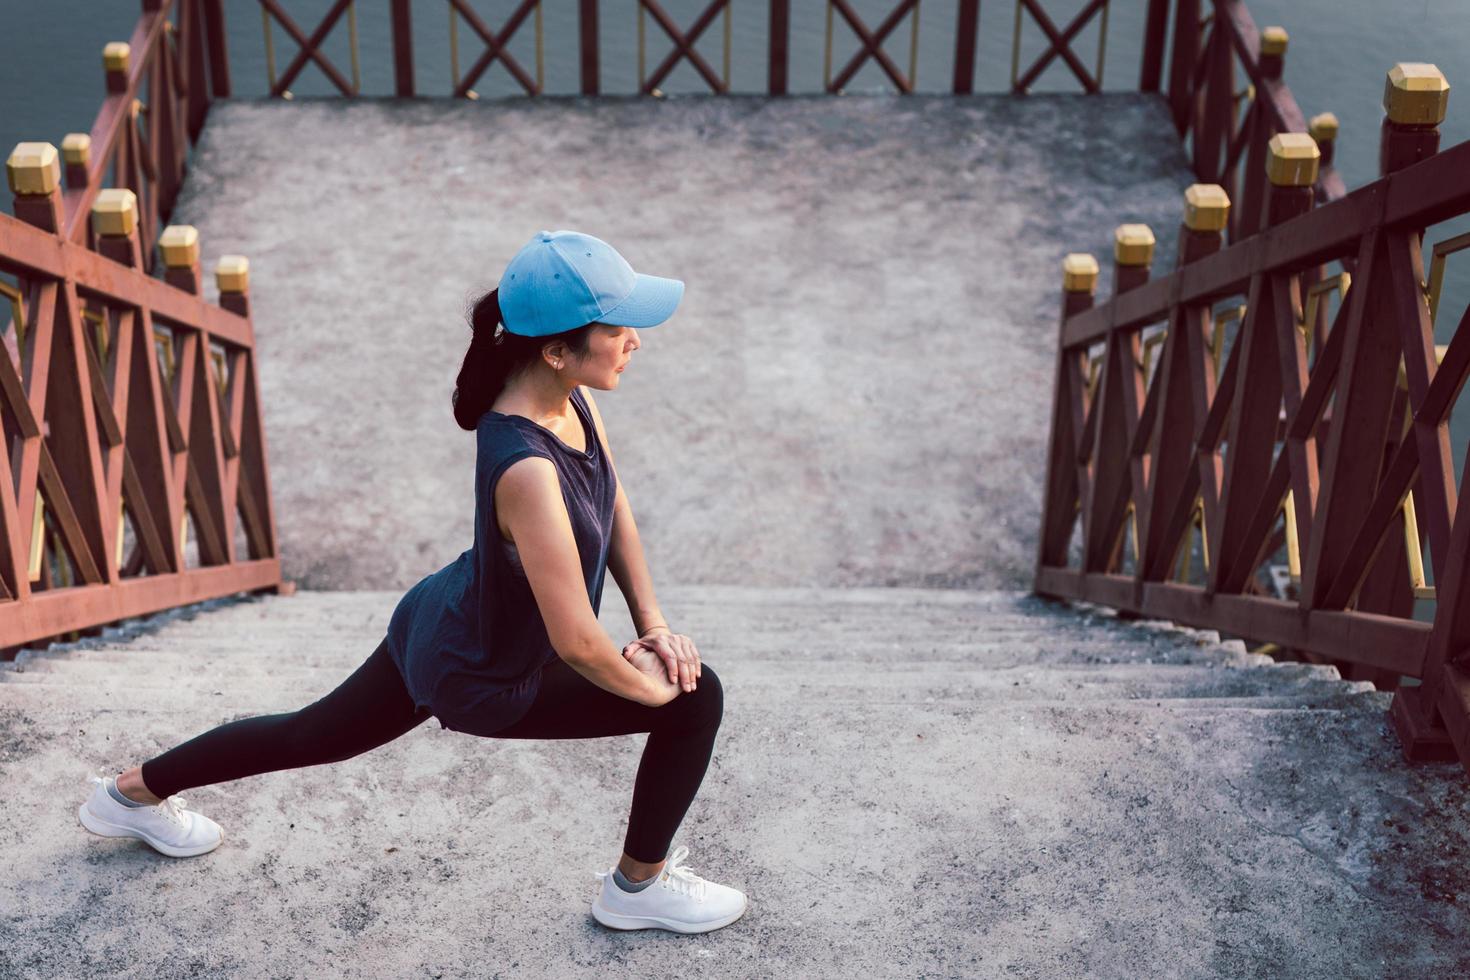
(855, 390)
(907, 783)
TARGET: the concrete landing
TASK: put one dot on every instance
(855, 390)
(907, 783)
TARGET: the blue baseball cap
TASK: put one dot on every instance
(561, 280)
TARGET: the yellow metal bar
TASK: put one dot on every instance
(827, 52)
(1102, 43)
(163, 343)
(1293, 543)
(1442, 251)
(270, 48)
(453, 46)
(1341, 282)
(99, 329)
(1016, 48)
(1133, 535)
(352, 44)
(1416, 553)
(914, 49)
(17, 313)
(38, 539)
(1149, 344)
(1204, 538)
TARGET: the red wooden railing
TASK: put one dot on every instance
(1172, 483)
(1228, 129)
(131, 412)
(157, 97)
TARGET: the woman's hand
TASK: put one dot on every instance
(647, 661)
(678, 654)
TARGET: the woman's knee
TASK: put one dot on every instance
(706, 702)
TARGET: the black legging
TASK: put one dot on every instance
(372, 707)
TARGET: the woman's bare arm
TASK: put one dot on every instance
(625, 549)
(528, 495)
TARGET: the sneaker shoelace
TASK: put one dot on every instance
(680, 877)
(172, 808)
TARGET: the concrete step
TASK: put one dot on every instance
(62, 704)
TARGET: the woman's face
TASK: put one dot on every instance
(609, 348)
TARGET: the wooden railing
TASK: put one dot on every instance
(157, 97)
(1177, 483)
(131, 413)
(1228, 129)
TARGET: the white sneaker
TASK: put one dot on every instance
(167, 826)
(679, 901)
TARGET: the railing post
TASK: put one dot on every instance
(1262, 351)
(34, 173)
(780, 44)
(1063, 490)
(219, 55)
(1414, 101)
(402, 49)
(967, 26)
(76, 154)
(1431, 719)
(1185, 380)
(1185, 53)
(1119, 400)
(115, 57)
(179, 248)
(232, 278)
(115, 226)
(587, 21)
(1156, 28)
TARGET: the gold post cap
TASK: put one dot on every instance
(232, 274)
(1273, 40)
(1133, 245)
(180, 246)
(115, 211)
(1079, 273)
(1293, 160)
(33, 168)
(76, 148)
(1206, 207)
(1323, 127)
(115, 55)
(1416, 94)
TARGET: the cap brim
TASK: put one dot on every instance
(651, 302)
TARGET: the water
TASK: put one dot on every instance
(51, 75)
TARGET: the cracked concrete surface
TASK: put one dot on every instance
(907, 783)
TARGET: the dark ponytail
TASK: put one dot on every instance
(497, 355)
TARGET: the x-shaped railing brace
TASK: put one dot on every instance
(1060, 45)
(684, 46)
(309, 46)
(872, 46)
(495, 47)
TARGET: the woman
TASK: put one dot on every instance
(505, 642)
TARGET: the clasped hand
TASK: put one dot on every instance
(674, 655)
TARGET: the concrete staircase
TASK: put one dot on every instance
(908, 782)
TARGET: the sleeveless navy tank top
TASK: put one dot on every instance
(469, 639)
